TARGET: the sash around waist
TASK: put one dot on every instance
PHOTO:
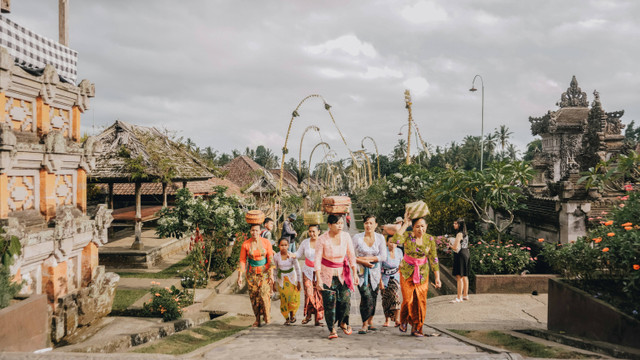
(258, 263)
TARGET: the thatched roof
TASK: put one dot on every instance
(204, 187)
(152, 153)
(243, 171)
(289, 180)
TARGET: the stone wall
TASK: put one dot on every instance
(25, 325)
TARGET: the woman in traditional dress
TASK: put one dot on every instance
(419, 254)
(461, 257)
(257, 251)
(370, 250)
(390, 283)
(335, 265)
(312, 296)
(289, 282)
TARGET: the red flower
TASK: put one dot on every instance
(611, 234)
(610, 222)
(628, 228)
(605, 249)
(626, 224)
(541, 240)
(636, 267)
(597, 240)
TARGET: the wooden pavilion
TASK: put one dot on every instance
(139, 154)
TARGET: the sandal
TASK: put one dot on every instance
(371, 328)
(417, 334)
(318, 323)
(403, 328)
(347, 330)
(333, 336)
(362, 332)
(292, 320)
(286, 322)
(465, 298)
(305, 321)
(256, 324)
(455, 301)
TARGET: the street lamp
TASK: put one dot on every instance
(473, 88)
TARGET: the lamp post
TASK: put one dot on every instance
(376, 146)
(473, 88)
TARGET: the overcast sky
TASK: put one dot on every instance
(228, 74)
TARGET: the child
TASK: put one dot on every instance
(288, 273)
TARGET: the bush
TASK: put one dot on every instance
(194, 278)
(10, 248)
(167, 303)
(506, 257)
(609, 254)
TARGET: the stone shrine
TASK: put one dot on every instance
(44, 163)
(574, 138)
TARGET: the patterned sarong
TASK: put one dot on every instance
(368, 298)
(312, 300)
(391, 298)
(259, 293)
(289, 298)
(337, 303)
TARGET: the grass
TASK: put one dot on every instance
(521, 346)
(192, 339)
(125, 297)
(168, 273)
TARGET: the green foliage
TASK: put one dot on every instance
(215, 221)
(133, 165)
(167, 303)
(500, 257)
(613, 174)
(497, 187)
(610, 252)
(10, 248)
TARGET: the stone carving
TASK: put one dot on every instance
(6, 65)
(60, 121)
(55, 142)
(21, 113)
(21, 192)
(50, 80)
(7, 137)
(65, 222)
(86, 90)
(574, 96)
(102, 220)
(569, 149)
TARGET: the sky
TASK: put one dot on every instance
(228, 74)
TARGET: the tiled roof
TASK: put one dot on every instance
(154, 188)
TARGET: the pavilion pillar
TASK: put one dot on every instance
(137, 243)
(164, 194)
(184, 184)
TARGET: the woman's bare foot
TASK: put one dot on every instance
(387, 321)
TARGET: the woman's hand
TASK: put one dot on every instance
(438, 284)
(298, 286)
(381, 286)
(366, 263)
(291, 255)
(239, 281)
(356, 278)
(318, 286)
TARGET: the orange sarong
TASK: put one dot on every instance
(414, 303)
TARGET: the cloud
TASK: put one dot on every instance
(385, 72)
(349, 44)
(425, 12)
(417, 85)
(271, 139)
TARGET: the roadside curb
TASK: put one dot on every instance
(484, 347)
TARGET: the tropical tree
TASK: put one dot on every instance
(497, 188)
(503, 134)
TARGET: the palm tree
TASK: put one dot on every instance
(503, 134)
(399, 151)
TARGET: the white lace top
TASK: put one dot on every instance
(294, 276)
(305, 251)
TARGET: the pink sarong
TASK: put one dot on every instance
(346, 270)
(416, 266)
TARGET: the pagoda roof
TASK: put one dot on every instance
(150, 149)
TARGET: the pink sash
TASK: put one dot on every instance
(416, 266)
(346, 270)
(309, 263)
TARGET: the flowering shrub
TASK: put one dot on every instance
(213, 221)
(167, 303)
(610, 252)
(507, 257)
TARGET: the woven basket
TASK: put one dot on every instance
(391, 229)
(254, 217)
(417, 209)
(313, 218)
(336, 205)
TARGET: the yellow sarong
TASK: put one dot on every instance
(289, 298)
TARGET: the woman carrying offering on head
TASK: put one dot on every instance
(289, 282)
(258, 253)
(370, 251)
(312, 296)
(390, 283)
(461, 258)
(419, 255)
(335, 266)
